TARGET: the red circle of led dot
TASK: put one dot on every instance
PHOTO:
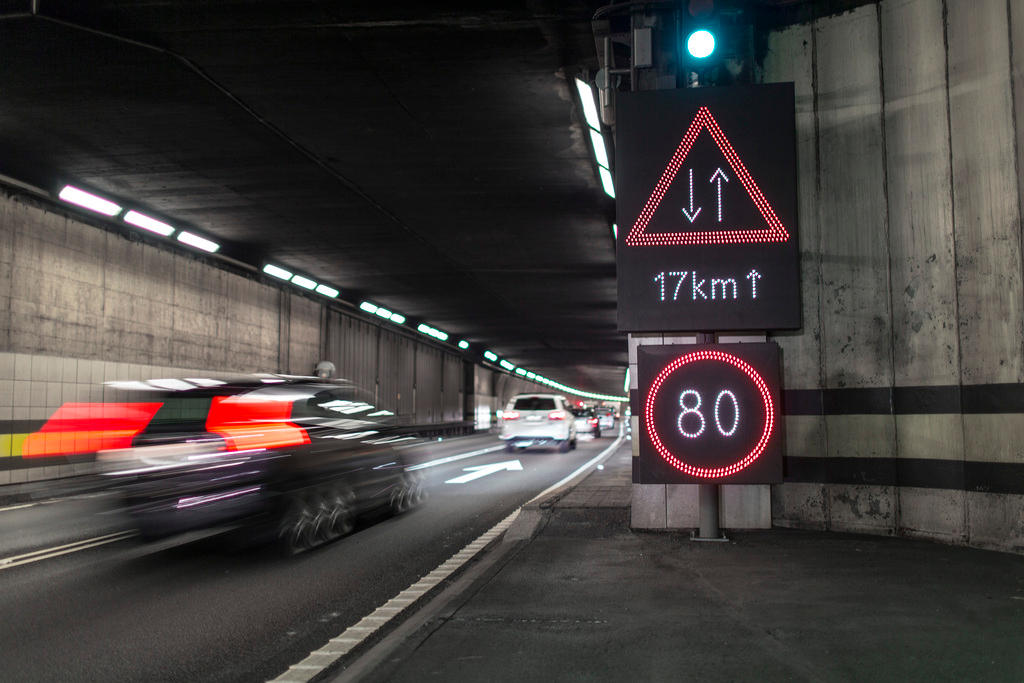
(742, 366)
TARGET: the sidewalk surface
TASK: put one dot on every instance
(587, 599)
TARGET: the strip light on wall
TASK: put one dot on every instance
(432, 332)
(589, 108)
(303, 282)
(596, 136)
(278, 272)
(606, 181)
(73, 195)
(141, 220)
(198, 242)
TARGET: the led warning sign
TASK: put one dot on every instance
(709, 414)
(706, 204)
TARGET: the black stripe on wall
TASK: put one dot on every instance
(972, 398)
(988, 477)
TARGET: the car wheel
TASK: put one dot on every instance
(597, 433)
(405, 494)
(572, 444)
(509, 447)
(295, 528)
(341, 511)
(564, 446)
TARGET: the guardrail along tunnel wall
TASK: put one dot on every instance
(904, 389)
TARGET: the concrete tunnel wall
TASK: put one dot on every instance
(904, 399)
(81, 305)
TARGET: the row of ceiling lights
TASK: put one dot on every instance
(74, 195)
(596, 136)
(87, 200)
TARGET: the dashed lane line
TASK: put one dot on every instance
(339, 646)
(47, 553)
(454, 458)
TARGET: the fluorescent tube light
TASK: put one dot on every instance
(505, 364)
(463, 344)
(328, 291)
(432, 332)
(368, 307)
(606, 181)
(599, 149)
(73, 195)
(397, 318)
(531, 375)
(589, 108)
(491, 356)
(615, 230)
(303, 282)
(625, 383)
(383, 312)
(141, 220)
(281, 273)
(197, 241)
(521, 371)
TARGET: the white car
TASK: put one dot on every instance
(538, 420)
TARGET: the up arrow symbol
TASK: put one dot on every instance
(691, 214)
(718, 175)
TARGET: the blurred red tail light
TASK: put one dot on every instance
(87, 427)
(250, 423)
(592, 421)
(556, 415)
(510, 415)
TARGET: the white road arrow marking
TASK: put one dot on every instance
(483, 470)
(691, 214)
(719, 175)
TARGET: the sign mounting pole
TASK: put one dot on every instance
(709, 495)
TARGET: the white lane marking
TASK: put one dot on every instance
(478, 471)
(453, 458)
(582, 468)
(18, 507)
(47, 553)
(342, 644)
(353, 636)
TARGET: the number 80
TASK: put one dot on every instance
(695, 410)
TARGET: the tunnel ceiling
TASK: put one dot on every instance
(428, 155)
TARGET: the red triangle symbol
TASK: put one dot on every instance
(638, 235)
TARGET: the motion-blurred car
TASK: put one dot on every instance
(295, 460)
(605, 417)
(587, 422)
(538, 420)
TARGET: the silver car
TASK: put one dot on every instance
(538, 420)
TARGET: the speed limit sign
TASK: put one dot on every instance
(710, 414)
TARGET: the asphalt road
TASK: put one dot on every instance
(208, 610)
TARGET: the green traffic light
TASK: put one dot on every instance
(700, 43)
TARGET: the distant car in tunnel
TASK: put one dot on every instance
(587, 422)
(606, 417)
(294, 460)
(538, 420)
